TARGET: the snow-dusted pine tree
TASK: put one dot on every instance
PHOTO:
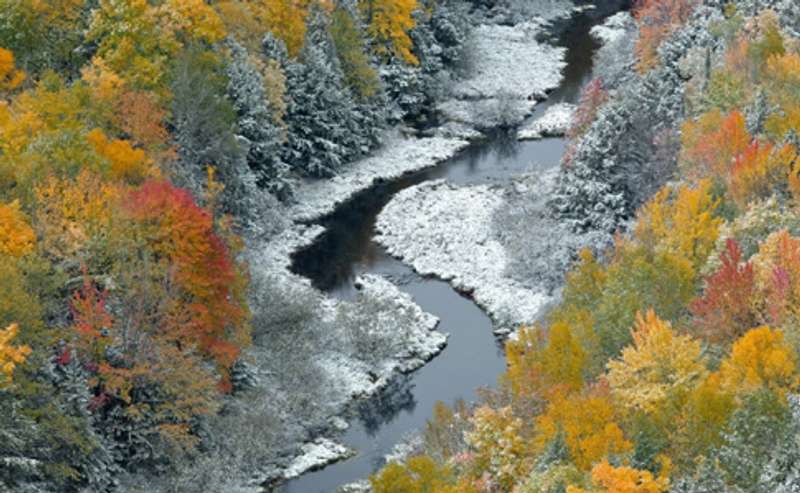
(324, 123)
(255, 122)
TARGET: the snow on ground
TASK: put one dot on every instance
(513, 70)
(614, 27)
(316, 455)
(400, 336)
(510, 61)
(444, 230)
(554, 123)
(397, 157)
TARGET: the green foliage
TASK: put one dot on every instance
(351, 49)
(638, 280)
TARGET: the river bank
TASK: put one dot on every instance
(332, 381)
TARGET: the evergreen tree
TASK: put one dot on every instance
(204, 123)
(255, 123)
(325, 127)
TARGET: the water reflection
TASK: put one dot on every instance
(383, 408)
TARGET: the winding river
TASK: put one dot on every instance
(473, 357)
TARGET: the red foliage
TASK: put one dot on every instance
(725, 311)
(593, 97)
(64, 358)
(90, 318)
(210, 312)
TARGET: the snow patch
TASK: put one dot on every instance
(554, 123)
(615, 27)
(444, 230)
(362, 486)
(511, 61)
(316, 455)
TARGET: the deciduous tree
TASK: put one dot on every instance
(16, 236)
(389, 22)
(10, 355)
(759, 359)
(658, 372)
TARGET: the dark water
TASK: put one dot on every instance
(472, 358)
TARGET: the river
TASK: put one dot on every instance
(473, 357)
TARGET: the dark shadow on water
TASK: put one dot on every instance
(383, 408)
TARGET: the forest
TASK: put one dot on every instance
(162, 162)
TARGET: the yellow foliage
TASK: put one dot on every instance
(685, 225)
(609, 479)
(759, 359)
(105, 84)
(198, 20)
(16, 236)
(782, 78)
(587, 421)
(536, 368)
(10, 356)
(389, 24)
(419, 474)
(43, 133)
(10, 78)
(658, 372)
(127, 163)
(286, 20)
(70, 213)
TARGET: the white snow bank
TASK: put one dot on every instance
(397, 157)
(510, 61)
(445, 230)
(316, 455)
(362, 486)
(554, 123)
(614, 27)
(402, 337)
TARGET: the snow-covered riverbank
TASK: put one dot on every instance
(345, 350)
(447, 231)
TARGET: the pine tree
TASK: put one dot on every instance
(255, 122)
(323, 119)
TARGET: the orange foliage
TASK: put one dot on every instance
(609, 479)
(90, 319)
(127, 163)
(777, 268)
(16, 236)
(142, 119)
(183, 234)
(760, 169)
(10, 78)
(657, 19)
(759, 359)
(711, 144)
